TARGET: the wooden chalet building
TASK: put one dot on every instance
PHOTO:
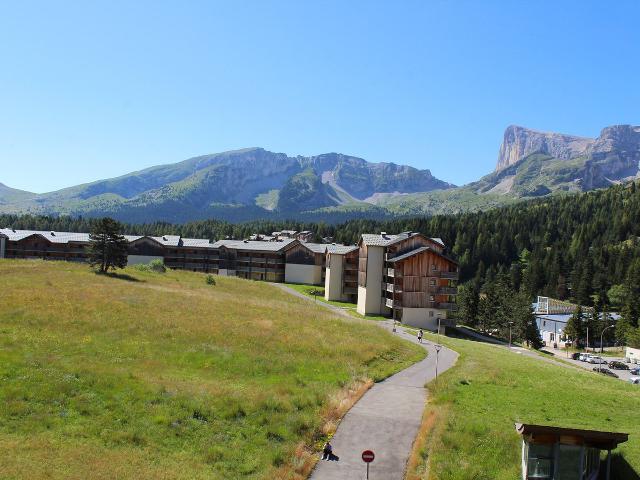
(406, 276)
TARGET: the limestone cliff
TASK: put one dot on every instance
(519, 142)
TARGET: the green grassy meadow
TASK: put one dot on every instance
(152, 375)
(348, 307)
(474, 405)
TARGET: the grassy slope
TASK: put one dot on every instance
(348, 307)
(475, 405)
(166, 376)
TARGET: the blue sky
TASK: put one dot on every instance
(90, 90)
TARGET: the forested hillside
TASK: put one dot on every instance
(569, 247)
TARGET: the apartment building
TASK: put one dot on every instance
(184, 253)
(253, 260)
(305, 263)
(341, 273)
(408, 277)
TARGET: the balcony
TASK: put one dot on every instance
(389, 302)
(447, 290)
(449, 275)
(447, 306)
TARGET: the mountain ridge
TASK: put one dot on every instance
(254, 183)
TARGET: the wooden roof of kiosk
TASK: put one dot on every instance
(571, 436)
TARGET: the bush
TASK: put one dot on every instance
(211, 280)
(153, 266)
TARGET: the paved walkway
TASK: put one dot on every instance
(386, 419)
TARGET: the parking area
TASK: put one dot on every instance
(624, 375)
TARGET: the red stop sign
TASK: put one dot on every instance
(368, 456)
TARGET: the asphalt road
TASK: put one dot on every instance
(385, 420)
(623, 374)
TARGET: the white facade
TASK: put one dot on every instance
(552, 328)
(426, 318)
(333, 278)
(632, 355)
(307, 274)
(370, 300)
(142, 259)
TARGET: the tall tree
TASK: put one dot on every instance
(468, 303)
(575, 326)
(107, 246)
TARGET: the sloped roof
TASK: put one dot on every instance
(53, 237)
(253, 245)
(315, 247)
(378, 240)
(595, 438)
(66, 237)
(197, 242)
(404, 256)
(341, 249)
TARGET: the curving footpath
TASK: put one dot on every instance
(386, 419)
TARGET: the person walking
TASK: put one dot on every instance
(420, 334)
(327, 451)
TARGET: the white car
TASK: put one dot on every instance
(595, 359)
(584, 357)
(634, 380)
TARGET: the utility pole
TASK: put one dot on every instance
(601, 339)
(437, 347)
(587, 347)
(510, 325)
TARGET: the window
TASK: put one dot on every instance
(432, 298)
(552, 337)
(434, 267)
(539, 461)
(544, 323)
(433, 282)
(569, 462)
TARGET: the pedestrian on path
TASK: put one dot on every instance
(420, 334)
(327, 452)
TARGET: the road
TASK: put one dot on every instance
(624, 375)
(386, 419)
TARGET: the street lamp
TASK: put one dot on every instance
(510, 324)
(601, 348)
(602, 336)
(437, 347)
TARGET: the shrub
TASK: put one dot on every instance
(211, 280)
(153, 266)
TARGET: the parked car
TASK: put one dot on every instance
(605, 371)
(595, 359)
(616, 365)
(583, 357)
(635, 371)
(634, 380)
(575, 356)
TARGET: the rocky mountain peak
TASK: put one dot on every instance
(519, 142)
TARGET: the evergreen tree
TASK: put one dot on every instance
(575, 329)
(107, 247)
(468, 302)
(525, 320)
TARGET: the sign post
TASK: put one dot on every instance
(367, 457)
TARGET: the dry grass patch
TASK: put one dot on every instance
(164, 376)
